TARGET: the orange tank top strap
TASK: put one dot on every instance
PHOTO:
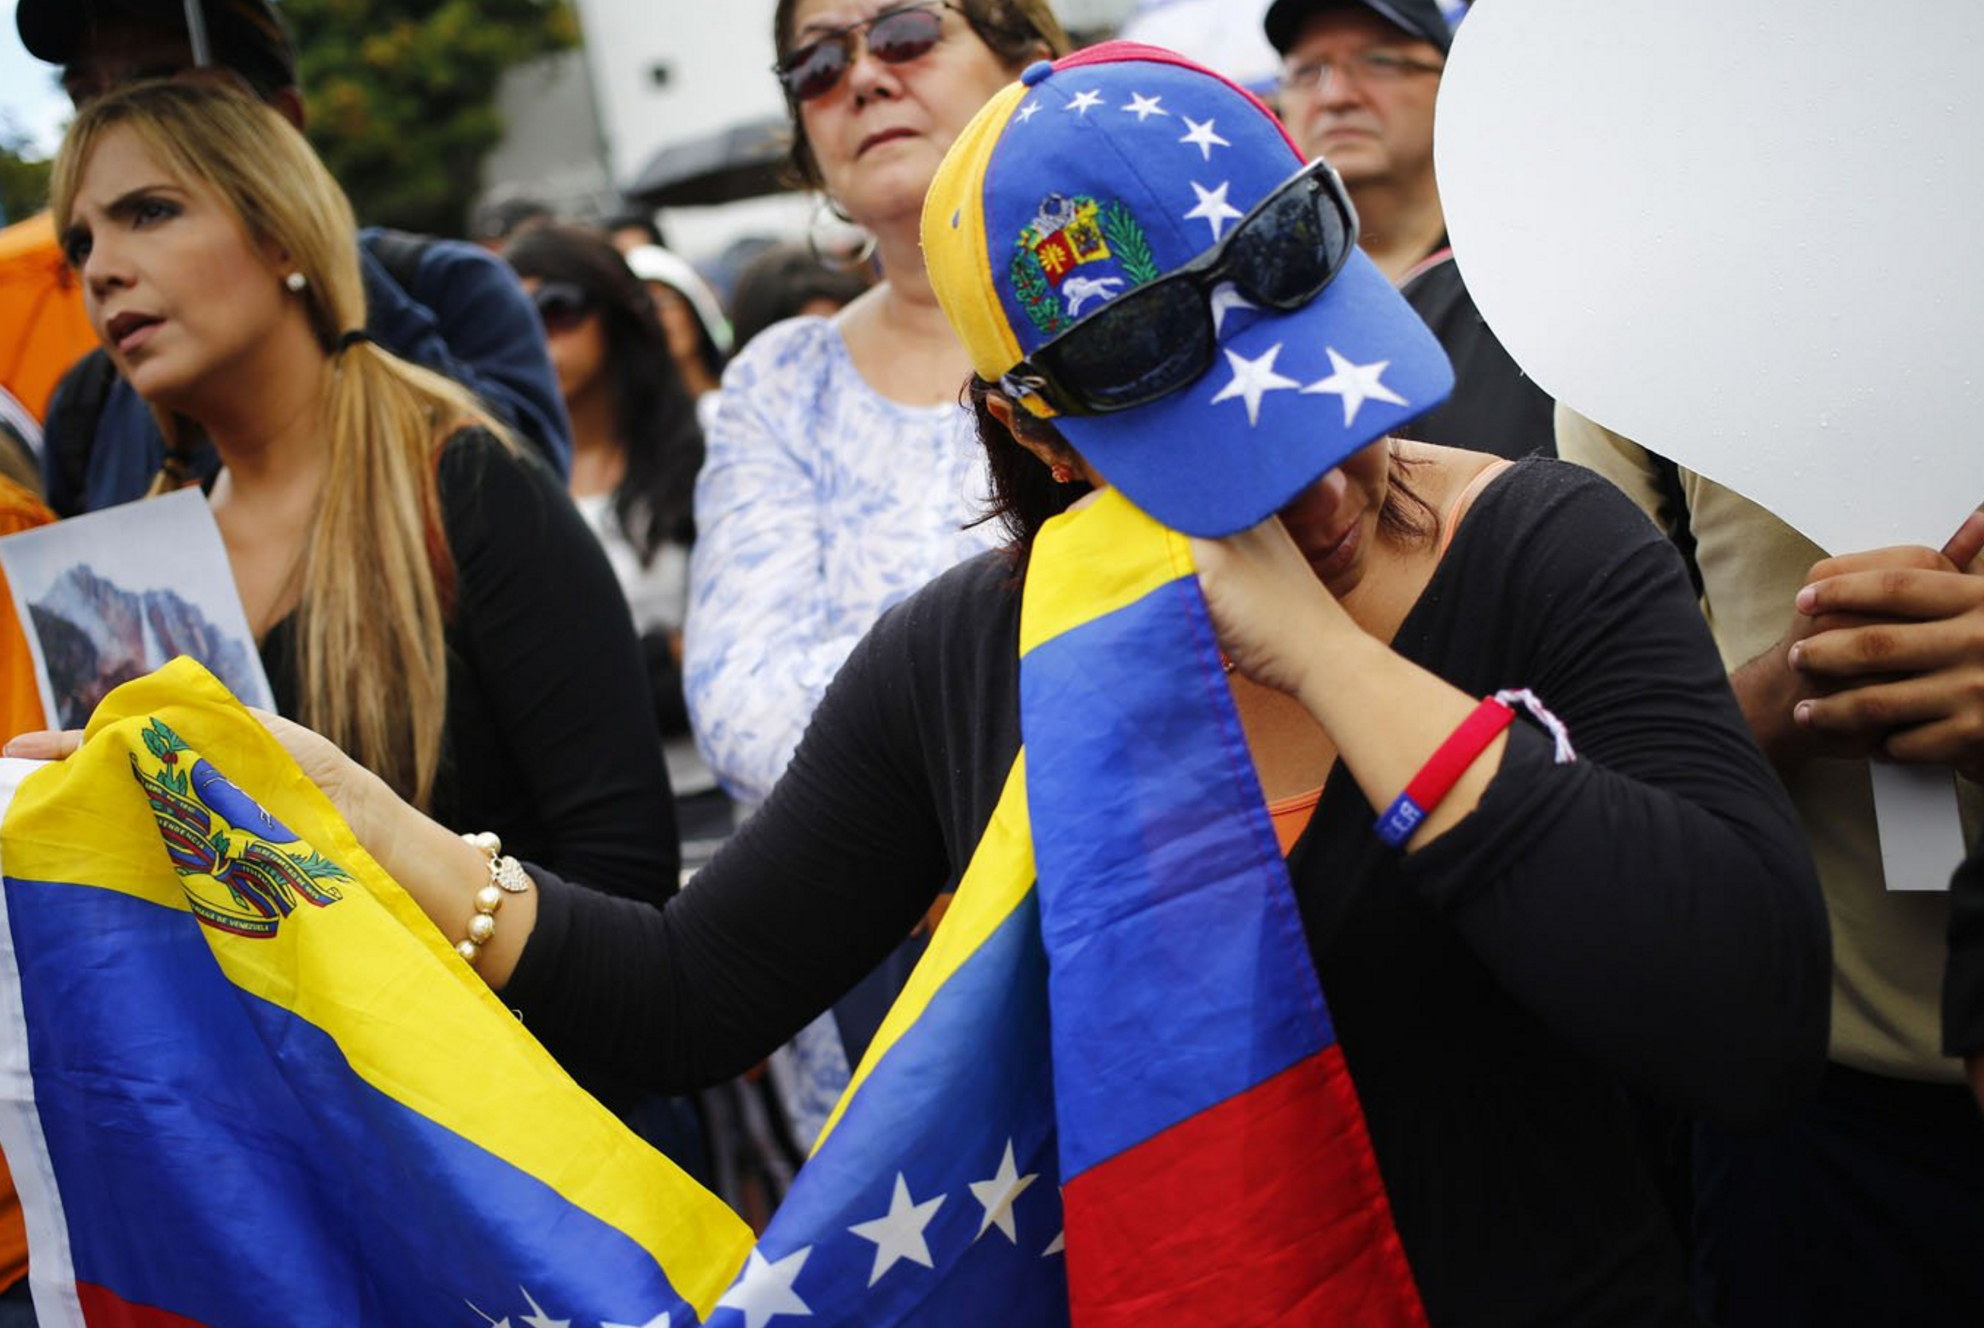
(1450, 519)
(1291, 817)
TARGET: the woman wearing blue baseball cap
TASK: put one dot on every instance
(1518, 907)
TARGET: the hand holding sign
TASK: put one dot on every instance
(1687, 222)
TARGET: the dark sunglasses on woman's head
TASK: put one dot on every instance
(1149, 342)
(894, 36)
(561, 306)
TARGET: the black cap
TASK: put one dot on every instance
(1418, 18)
(248, 36)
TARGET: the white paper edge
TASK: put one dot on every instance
(1921, 828)
(51, 1267)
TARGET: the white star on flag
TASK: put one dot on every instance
(1083, 101)
(1028, 111)
(503, 1322)
(1356, 384)
(658, 1321)
(1144, 107)
(1214, 208)
(997, 1195)
(1059, 1245)
(1203, 137)
(537, 1318)
(1253, 379)
(899, 1234)
(1226, 297)
(763, 1291)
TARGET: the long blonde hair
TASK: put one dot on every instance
(376, 575)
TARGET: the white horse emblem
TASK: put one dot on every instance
(1080, 290)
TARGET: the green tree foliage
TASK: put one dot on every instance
(23, 177)
(401, 95)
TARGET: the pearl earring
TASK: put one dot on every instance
(296, 282)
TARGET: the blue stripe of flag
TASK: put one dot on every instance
(172, 1151)
(939, 1109)
(1174, 987)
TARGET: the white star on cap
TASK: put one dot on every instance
(1144, 107)
(1203, 137)
(1253, 379)
(1214, 208)
(1083, 101)
(763, 1291)
(997, 1195)
(1027, 112)
(658, 1321)
(1356, 384)
(1226, 297)
(899, 1234)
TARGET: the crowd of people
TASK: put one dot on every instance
(540, 535)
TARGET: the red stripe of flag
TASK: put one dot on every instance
(104, 1308)
(1264, 1209)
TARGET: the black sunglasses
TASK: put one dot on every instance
(894, 36)
(1151, 341)
(561, 306)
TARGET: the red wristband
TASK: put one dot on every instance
(1443, 770)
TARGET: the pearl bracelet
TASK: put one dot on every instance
(505, 877)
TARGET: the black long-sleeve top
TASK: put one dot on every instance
(549, 736)
(1963, 980)
(1648, 916)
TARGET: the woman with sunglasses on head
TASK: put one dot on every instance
(1608, 891)
(419, 587)
(841, 471)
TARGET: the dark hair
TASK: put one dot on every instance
(1012, 29)
(501, 218)
(781, 281)
(654, 417)
(629, 219)
(1025, 496)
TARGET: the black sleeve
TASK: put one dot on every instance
(551, 731)
(1963, 982)
(810, 894)
(1654, 901)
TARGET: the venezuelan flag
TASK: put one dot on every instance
(1216, 1163)
(1115, 1054)
(247, 1083)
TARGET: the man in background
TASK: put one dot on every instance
(1359, 79)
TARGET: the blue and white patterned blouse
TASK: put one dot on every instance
(820, 504)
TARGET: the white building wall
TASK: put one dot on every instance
(668, 70)
(551, 148)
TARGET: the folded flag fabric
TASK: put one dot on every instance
(248, 1083)
(1115, 1055)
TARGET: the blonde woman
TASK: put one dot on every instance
(420, 588)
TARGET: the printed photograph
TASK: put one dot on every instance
(109, 597)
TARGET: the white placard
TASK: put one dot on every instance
(1738, 232)
(108, 597)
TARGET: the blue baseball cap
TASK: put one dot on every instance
(1109, 168)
